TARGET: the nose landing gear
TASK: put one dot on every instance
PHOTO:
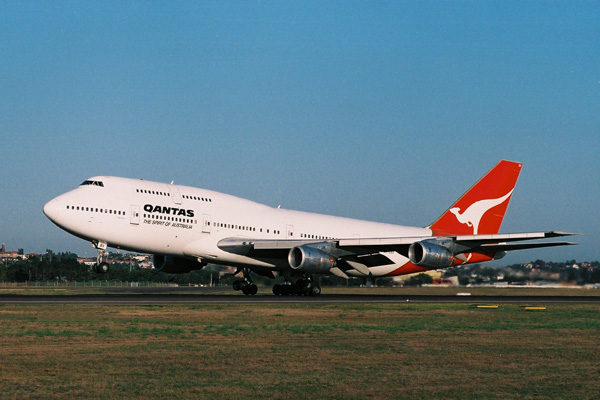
(100, 267)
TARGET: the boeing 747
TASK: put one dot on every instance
(186, 228)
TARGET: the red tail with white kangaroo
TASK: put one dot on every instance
(481, 209)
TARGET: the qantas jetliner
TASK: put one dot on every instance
(187, 228)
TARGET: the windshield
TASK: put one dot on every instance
(95, 183)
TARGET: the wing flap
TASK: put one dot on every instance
(511, 237)
(521, 246)
(504, 242)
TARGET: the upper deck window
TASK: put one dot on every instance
(95, 183)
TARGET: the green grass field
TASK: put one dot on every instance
(299, 351)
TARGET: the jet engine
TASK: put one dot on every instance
(430, 254)
(310, 260)
(175, 265)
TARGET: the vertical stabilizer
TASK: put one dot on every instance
(481, 209)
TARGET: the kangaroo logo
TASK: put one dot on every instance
(473, 214)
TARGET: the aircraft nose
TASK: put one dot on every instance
(51, 209)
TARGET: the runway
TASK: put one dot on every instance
(219, 299)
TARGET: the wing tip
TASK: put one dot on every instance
(552, 234)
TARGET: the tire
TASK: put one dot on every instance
(250, 290)
(285, 290)
(315, 290)
(102, 268)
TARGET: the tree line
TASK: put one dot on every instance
(569, 272)
(64, 267)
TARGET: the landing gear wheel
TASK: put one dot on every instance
(285, 290)
(238, 285)
(246, 285)
(282, 290)
(314, 289)
(297, 289)
(102, 268)
(250, 289)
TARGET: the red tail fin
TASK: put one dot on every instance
(481, 209)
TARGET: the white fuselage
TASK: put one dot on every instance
(182, 221)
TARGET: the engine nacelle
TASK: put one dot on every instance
(310, 260)
(430, 255)
(175, 265)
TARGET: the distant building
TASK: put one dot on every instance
(142, 260)
(13, 255)
(8, 255)
(87, 261)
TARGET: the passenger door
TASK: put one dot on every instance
(205, 223)
(175, 195)
(135, 215)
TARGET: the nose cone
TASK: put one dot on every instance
(51, 210)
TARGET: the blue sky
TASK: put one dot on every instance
(385, 111)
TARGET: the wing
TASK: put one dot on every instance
(360, 246)
(506, 242)
(361, 253)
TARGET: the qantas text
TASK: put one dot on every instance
(168, 210)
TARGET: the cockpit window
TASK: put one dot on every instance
(95, 183)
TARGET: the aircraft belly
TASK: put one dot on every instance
(206, 249)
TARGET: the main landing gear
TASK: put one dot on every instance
(246, 285)
(302, 287)
(100, 267)
(297, 285)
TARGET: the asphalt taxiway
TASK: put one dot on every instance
(220, 299)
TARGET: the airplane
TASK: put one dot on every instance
(186, 228)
